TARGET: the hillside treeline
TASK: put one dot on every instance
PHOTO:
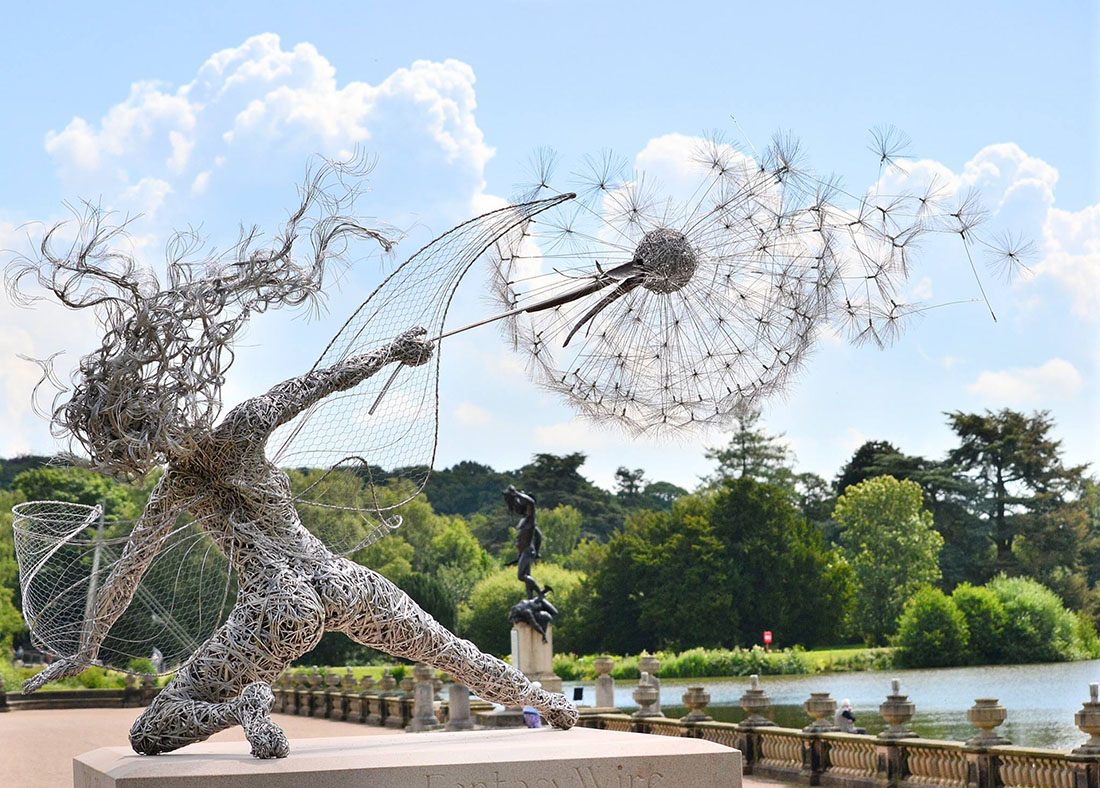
(757, 546)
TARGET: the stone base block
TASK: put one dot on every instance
(501, 718)
(543, 758)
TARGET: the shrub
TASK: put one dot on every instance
(432, 595)
(985, 620)
(931, 631)
(140, 666)
(484, 619)
(1037, 627)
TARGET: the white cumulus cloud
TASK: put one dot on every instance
(1026, 386)
(1073, 257)
(467, 414)
(229, 145)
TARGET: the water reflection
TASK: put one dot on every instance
(1040, 699)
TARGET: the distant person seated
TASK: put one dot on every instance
(845, 719)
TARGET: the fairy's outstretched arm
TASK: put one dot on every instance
(114, 597)
(261, 415)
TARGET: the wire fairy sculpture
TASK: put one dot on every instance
(150, 396)
(660, 315)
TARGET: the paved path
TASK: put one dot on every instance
(37, 747)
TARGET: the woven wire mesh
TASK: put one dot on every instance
(383, 431)
(66, 551)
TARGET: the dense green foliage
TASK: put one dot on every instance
(985, 618)
(932, 631)
(1010, 620)
(11, 622)
(759, 545)
(744, 543)
(892, 549)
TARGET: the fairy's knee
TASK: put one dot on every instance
(147, 734)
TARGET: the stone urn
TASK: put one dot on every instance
(985, 715)
(332, 679)
(366, 683)
(757, 705)
(696, 699)
(822, 708)
(314, 677)
(388, 681)
(897, 710)
(645, 695)
(603, 665)
(349, 677)
(407, 684)
(1088, 720)
(647, 663)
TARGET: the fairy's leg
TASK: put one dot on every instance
(373, 611)
(227, 681)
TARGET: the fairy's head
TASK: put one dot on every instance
(153, 387)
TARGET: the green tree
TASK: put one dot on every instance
(985, 620)
(1024, 489)
(863, 465)
(659, 496)
(466, 488)
(890, 543)
(433, 595)
(932, 631)
(952, 498)
(761, 565)
(484, 618)
(555, 480)
(76, 485)
(783, 575)
(561, 530)
(1038, 628)
(629, 484)
(11, 622)
(752, 453)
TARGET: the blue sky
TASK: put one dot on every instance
(452, 99)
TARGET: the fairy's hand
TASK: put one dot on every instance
(411, 349)
(61, 669)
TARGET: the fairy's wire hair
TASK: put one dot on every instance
(154, 383)
(714, 298)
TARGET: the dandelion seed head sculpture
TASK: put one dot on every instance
(664, 312)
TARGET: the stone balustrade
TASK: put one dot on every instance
(815, 755)
(819, 754)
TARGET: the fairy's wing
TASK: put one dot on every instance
(357, 455)
(66, 552)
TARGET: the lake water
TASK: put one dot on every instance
(1041, 699)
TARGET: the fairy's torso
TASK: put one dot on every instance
(244, 503)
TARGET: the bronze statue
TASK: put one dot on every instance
(528, 538)
(537, 612)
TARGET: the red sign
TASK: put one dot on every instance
(767, 636)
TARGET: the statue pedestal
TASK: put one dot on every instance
(534, 658)
(503, 758)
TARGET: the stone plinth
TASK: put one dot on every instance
(534, 658)
(577, 758)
